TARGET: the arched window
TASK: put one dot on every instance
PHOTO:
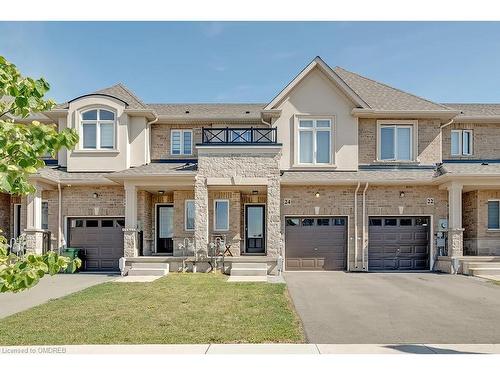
(97, 129)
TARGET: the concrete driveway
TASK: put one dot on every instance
(381, 308)
(48, 288)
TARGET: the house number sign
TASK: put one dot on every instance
(287, 202)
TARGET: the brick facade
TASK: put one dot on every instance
(5, 215)
(380, 200)
(428, 143)
(485, 137)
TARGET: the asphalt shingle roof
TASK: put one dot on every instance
(477, 168)
(208, 110)
(157, 169)
(476, 109)
(380, 96)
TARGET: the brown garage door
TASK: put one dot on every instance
(398, 243)
(101, 239)
(314, 243)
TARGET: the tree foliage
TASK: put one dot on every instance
(22, 148)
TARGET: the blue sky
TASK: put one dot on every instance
(253, 61)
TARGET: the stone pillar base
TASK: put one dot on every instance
(130, 248)
(455, 243)
(34, 240)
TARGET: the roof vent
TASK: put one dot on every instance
(187, 111)
(247, 112)
(484, 163)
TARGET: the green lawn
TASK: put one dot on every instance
(177, 309)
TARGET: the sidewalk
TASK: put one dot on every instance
(258, 349)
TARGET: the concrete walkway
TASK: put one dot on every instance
(313, 349)
(49, 287)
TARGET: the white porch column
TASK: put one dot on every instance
(130, 248)
(201, 217)
(455, 229)
(273, 217)
(33, 231)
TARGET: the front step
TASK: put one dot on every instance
(148, 269)
(249, 269)
(469, 266)
(150, 266)
(483, 271)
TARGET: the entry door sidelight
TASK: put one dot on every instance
(255, 229)
(165, 229)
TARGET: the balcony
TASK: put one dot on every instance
(239, 136)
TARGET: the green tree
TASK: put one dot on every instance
(22, 147)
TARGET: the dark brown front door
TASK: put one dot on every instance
(164, 229)
(398, 243)
(255, 229)
(315, 243)
(100, 238)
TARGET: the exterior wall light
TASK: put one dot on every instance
(161, 192)
(317, 194)
(95, 195)
(401, 194)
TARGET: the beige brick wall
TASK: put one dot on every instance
(429, 141)
(234, 235)
(160, 141)
(486, 141)
(478, 240)
(380, 200)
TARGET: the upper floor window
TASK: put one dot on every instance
(461, 142)
(181, 142)
(314, 141)
(97, 129)
(395, 142)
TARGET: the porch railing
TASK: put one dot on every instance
(239, 136)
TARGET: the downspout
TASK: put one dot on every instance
(448, 123)
(356, 226)
(59, 219)
(441, 135)
(148, 136)
(364, 228)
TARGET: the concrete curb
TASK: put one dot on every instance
(258, 349)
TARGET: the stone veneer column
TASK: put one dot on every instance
(201, 216)
(455, 230)
(130, 248)
(34, 231)
(273, 217)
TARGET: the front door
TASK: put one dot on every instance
(164, 229)
(255, 229)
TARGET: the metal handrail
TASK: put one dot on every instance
(239, 136)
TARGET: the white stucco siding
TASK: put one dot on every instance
(99, 160)
(316, 95)
(137, 135)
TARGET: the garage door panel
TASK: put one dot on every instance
(102, 245)
(320, 246)
(405, 245)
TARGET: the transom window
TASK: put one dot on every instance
(494, 214)
(97, 129)
(181, 142)
(461, 142)
(315, 140)
(395, 142)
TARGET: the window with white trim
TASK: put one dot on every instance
(181, 142)
(189, 214)
(221, 215)
(395, 142)
(493, 214)
(461, 142)
(315, 141)
(97, 129)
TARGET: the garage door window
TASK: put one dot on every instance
(422, 221)
(339, 222)
(91, 223)
(390, 222)
(405, 222)
(323, 222)
(107, 223)
(307, 222)
(376, 222)
(292, 222)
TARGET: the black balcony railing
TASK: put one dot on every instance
(239, 136)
